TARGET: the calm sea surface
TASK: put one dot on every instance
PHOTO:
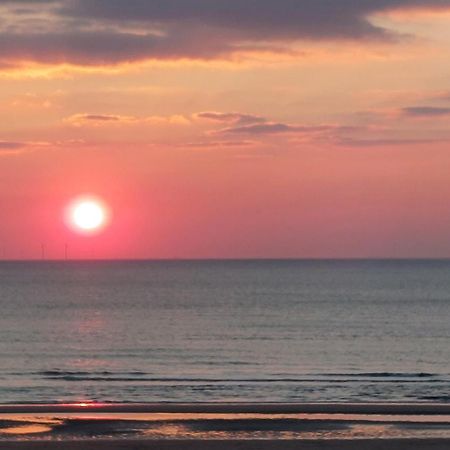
(285, 331)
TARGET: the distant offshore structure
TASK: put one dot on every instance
(44, 256)
(41, 255)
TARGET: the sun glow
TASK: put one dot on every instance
(87, 215)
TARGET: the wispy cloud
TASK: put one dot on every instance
(364, 143)
(274, 128)
(218, 144)
(248, 124)
(426, 111)
(106, 119)
(231, 117)
(18, 147)
(11, 145)
(100, 117)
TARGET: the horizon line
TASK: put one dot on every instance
(219, 259)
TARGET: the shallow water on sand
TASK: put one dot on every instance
(81, 426)
(284, 331)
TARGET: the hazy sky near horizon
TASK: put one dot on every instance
(227, 128)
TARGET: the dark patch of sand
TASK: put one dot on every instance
(373, 444)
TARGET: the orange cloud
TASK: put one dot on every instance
(107, 119)
(8, 148)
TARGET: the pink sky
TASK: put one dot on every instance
(214, 132)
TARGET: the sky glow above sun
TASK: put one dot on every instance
(87, 215)
(225, 129)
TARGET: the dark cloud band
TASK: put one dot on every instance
(426, 111)
(315, 19)
(96, 32)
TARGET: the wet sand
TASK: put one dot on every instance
(225, 426)
(380, 444)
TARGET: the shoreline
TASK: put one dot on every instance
(232, 408)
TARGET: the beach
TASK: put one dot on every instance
(404, 444)
(225, 426)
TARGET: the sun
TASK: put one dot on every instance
(87, 215)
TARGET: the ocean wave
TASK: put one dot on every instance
(383, 375)
(313, 378)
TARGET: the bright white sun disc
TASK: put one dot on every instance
(87, 215)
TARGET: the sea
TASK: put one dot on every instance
(225, 331)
